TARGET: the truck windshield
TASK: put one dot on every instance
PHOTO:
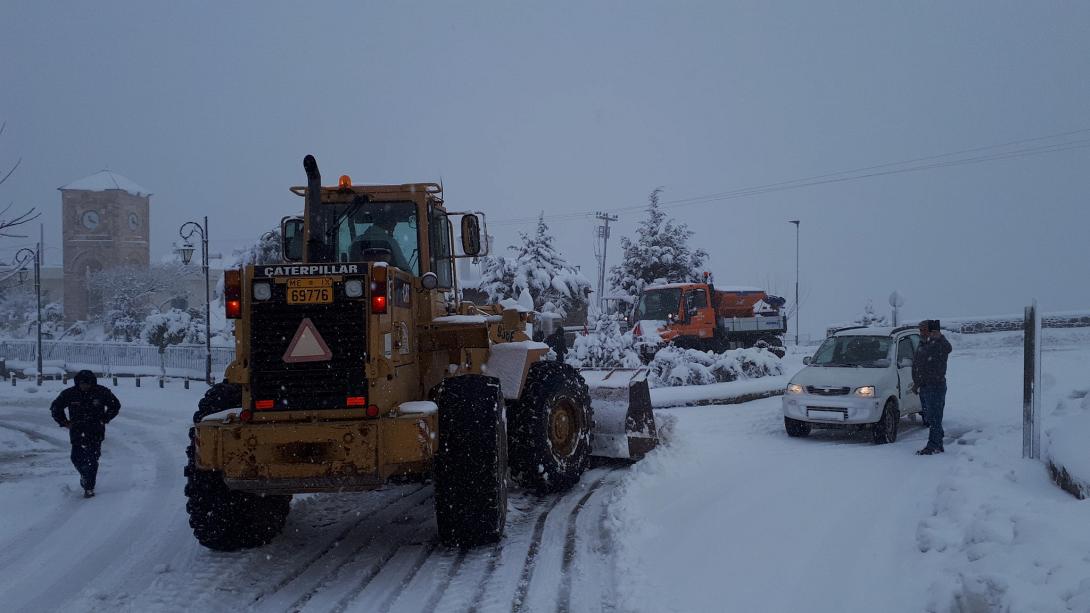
(853, 352)
(365, 231)
(658, 303)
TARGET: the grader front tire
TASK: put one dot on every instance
(550, 428)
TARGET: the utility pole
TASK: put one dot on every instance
(796, 222)
(600, 252)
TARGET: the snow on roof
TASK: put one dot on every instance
(106, 180)
(875, 331)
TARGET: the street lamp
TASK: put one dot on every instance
(796, 222)
(22, 259)
(187, 230)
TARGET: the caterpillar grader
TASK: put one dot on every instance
(356, 366)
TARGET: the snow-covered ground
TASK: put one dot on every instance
(729, 515)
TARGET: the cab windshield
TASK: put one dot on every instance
(365, 231)
(657, 304)
(853, 352)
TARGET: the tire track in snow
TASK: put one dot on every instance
(564, 596)
(298, 571)
(327, 565)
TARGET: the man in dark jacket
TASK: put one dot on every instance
(929, 378)
(90, 407)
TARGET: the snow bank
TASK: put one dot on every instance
(1066, 434)
(673, 367)
(719, 393)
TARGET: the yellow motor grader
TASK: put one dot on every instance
(355, 365)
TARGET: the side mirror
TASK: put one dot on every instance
(291, 238)
(471, 235)
(806, 361)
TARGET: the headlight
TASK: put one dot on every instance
(794, 388)
(353, 288)
(262, 291)
(867, 391)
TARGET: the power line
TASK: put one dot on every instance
(912, 165)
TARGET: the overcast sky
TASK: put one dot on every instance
(570, 108)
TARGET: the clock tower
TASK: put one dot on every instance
(105, 225)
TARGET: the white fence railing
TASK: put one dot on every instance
(119, 358)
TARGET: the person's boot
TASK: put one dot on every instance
(88, 493)
(928, 451)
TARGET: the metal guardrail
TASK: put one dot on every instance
(121, 358)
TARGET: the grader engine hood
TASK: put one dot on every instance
(308, 336)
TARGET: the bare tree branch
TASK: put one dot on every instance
(29, 215)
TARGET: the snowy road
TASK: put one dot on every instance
(730, 515)
(130, 547)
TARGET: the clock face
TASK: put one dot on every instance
(89, 220)
(134, 221)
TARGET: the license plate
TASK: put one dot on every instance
(310, 291)
(829, 415)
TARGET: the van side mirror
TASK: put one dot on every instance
(291, 238)
(471, 235)
(806, 361)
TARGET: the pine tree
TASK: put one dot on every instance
(660, 252)
(538, 268)
(870, 317)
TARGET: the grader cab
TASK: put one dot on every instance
(355, 366)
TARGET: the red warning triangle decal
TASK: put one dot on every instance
(307, 345)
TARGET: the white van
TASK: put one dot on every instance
(859, 377)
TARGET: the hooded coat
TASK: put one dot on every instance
(90, 410)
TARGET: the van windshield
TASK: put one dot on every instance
(853, 352)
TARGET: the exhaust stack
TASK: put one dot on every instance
(313, 200)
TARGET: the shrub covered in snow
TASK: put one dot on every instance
(673, 366)
(604, 347)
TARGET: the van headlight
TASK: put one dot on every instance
(794, 388)
(867, 391)
(262, 291)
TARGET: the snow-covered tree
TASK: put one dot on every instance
(164, 330)
(538, 268)
(870, 317)
(605, 346)
(660, 251)
(127, 294)
(265, 251)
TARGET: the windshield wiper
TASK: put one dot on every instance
(351, 210)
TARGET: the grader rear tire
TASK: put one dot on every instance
(471, 463)
(550, 428)
(223, 519)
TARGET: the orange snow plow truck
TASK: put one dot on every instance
(701, 316)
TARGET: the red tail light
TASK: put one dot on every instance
(378, 289)
(246, 415)
(372, 411)
(232, 293)
(356, 401)
(262, 405)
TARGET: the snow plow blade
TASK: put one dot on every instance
(624, 425)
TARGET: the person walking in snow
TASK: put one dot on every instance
(929, 379)
(89, 407)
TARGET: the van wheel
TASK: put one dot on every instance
(796, 428)
(885, 431)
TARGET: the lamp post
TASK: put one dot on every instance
(187, 230)
(796, 222)
(22, 258)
